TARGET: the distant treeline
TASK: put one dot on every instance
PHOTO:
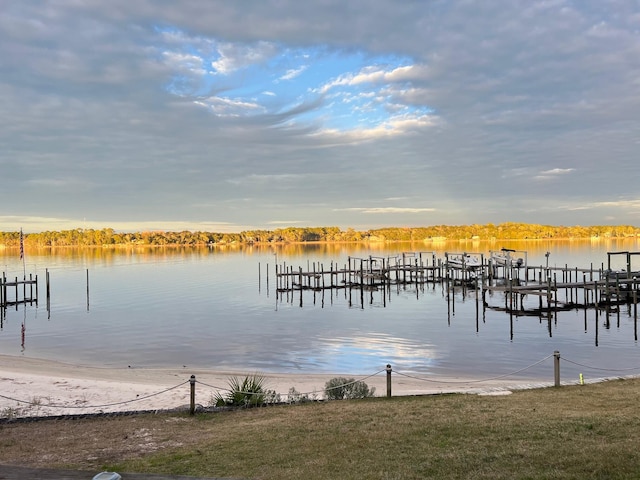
(504, 231)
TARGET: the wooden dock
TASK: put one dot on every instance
(16, 292)
(556, 288)
(360, 272)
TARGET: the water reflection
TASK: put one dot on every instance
(351, 352)
(213, 308)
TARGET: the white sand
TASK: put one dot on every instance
(34, 387)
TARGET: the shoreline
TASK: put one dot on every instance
(33, 387)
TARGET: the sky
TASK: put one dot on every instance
(227, 116)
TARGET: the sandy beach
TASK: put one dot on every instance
(36, 387)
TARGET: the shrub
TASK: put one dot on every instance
(247, 392)
(347, 388)
(294, 396)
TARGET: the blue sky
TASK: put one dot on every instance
(228, 116)
(336, 90)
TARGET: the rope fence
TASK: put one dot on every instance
(294, 396)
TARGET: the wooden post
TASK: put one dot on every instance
(87, 289)
(48, 290)
(388, 381)
(331, 278)
(192, 408)
(556, 368)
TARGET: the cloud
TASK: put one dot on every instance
(374, 75)
(34, 224)
(557, 171)
(622, 203)
(553, 173)
(399, 125)
(285, 222)
(385, 210)
(293, 73)
(120, 110)
(191, 64)
(230, 107)
(236, 56)
(256, 179)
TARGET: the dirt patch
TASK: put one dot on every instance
(93, 442)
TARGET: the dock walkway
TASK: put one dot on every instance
(582, 287)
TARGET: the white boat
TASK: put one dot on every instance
(504, 258)
(464, 261)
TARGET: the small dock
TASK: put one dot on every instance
(16, 292)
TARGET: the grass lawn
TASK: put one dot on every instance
(572, 432)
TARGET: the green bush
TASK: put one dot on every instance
(347, 388)
(249, 391)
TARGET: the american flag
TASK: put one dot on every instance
(21, 245)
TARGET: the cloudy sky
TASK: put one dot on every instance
(234, 115)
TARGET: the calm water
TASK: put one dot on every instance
(213, 308)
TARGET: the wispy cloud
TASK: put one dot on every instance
(553, 173)
(386, 210)
(256, 179)
(232, 57)
(293, 73)
(633, 203)
(374, 75)
(284, 223)
(230, 107)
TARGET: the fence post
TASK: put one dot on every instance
(556, 368)
(192, 381)
(388, 381)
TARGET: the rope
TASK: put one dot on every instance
(356, 381)
(601, 369)
(214, 387)
(53, 405)
(305, 394)
(227, 389)
(475, 381)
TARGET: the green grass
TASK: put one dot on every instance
(575, 432)
(572, 433)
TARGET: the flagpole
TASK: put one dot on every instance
(24, 267)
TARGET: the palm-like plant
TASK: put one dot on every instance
(249, 391)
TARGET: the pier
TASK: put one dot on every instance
(16, 292)
(370, 272)
(501, 280)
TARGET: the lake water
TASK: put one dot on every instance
(213, 308)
